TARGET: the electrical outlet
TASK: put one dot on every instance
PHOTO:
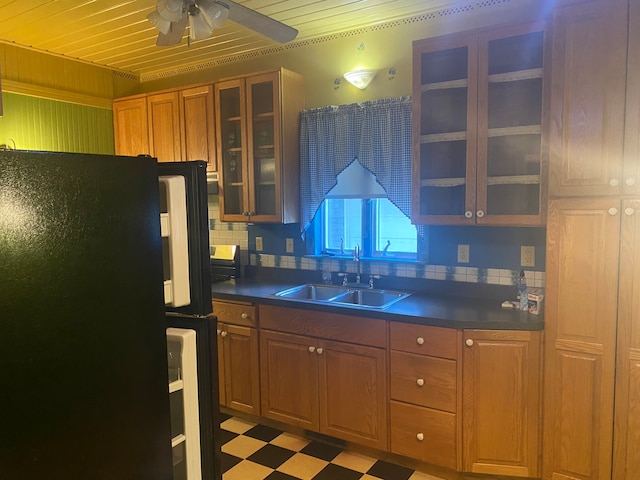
(527, 256)
(258, 244)
(289, 245)
(463, 253)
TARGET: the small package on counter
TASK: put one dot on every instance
(535, 298)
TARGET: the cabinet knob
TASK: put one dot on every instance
(223, 334)
(630, 182)
(420, 382)
(468, 342)
(468, 214)
(420, 437)
(480, 213)
(613, 211)
(312, 349)
(629, 211)
(244, 315)
(319, 350)
(614, 182)
(419, 340)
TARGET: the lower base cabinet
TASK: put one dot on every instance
(238, 369)
(337, 388)
(501, 402)
(463, 400)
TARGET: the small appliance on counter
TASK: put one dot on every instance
(225, 262)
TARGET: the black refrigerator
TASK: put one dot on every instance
(83, 361)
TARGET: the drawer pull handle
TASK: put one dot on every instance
(629, 211)
(468, 214)
(480, 213)
(419, 340)
(319, 350)
(420, 382)
(244, 315)
(613, 211)
(469, 342)
(218, 331)
(614, 182)
(312, 349)
(630, 181)
(223, 334)
(420, 437)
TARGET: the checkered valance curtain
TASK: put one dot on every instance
(377, 133)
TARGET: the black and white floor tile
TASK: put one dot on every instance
(252, 451)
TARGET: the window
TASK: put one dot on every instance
(376, 225)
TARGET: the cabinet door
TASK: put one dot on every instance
(353, 393)
(510, 123)
(164, 127)
(444, 130)
(231, 144)
(197, 125)
(631, 173)
(580, 328)
(587, 106)
(263, 146)
(241, 369)
(289, 379)
(131, 128)
(501, 394)
(222, 384)
(627, 409)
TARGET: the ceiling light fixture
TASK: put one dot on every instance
(360, 78)
(202, 16)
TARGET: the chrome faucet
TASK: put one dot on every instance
(356, 253)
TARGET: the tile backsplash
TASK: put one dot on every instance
(494, 252)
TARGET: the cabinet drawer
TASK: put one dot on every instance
(332, 326)
(236, 313)
(425, 340)
(423, 380)
(423, 434)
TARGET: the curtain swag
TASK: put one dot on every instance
(376, 133)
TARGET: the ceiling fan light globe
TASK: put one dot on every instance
(160, 23)
(199, 28)
(214, 13)
(170, 10)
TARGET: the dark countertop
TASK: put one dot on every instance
(426, 308)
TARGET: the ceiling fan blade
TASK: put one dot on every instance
(175, 34)
(258, 22)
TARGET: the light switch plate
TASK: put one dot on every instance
(259, 244)
(527, 256)
(463, 253)
(289, 245)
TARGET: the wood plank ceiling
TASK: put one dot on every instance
(116, 33)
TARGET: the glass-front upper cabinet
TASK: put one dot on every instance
(478, 128)
(257, 142)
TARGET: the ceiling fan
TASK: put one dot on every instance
(171, 18)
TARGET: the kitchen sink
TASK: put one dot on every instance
(313, 292)
(371, 298)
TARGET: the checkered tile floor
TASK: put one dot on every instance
(256, 452)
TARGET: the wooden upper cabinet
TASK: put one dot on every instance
(631, 168)
(501, 412)
(131, 130)
(478, 127)
(587, 109)
(257, 138)
(197, 119)
(164, 126)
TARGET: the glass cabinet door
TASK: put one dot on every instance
(445, 84)
(509, 134)
(264, 146)
(232, 149)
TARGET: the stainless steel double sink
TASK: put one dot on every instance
(368, 298)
